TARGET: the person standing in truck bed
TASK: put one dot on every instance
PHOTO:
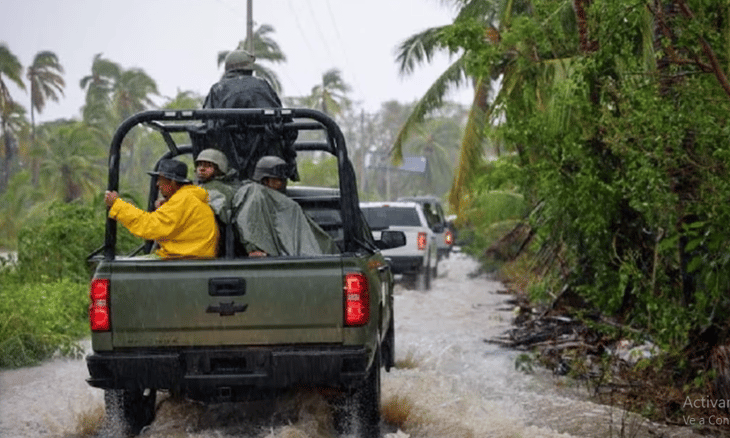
(239, 88)
(184, 225)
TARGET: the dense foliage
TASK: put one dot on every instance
(44, 296)
(39, 319)
(617, 114)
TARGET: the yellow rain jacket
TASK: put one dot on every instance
(184, 226)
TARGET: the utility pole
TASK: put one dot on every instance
(249, 26)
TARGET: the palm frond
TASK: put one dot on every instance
(454, 76)
(419, 49)
(471, 150)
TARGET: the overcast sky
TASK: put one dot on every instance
(176, 42)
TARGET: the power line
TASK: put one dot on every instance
(356, 82)
(299, 27)
(319, 30)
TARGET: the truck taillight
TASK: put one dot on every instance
(99, 318)
(357, 299)
(422, 240)
(449, 237)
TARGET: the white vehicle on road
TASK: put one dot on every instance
(418, 259)
(437, 222)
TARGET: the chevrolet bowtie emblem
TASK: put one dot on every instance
(227, 309)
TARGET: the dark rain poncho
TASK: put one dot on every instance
(244, 147)
(270, 221)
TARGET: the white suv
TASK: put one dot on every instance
(437, 221)
(418, 259)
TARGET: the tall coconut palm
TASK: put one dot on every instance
(15, 137)
(46, 82)
(421, 48)
(10, 70)
(72, 164)
(132, 91)
(437, 140)
(45, 77)
(113, 94)
(265, 48)
(480, 24)
(99, 86)
(330, 96)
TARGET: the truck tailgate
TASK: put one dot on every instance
(226, 302)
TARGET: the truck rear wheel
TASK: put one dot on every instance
(367, 402)
(128, 411)
(359, 414)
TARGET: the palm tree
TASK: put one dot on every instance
(71, 166)
(330, 96)
(112, 95)
(132, 91)
(264, 48)
(10, 69)
(15, 138)
(99, 86)
(421, 48)
(46, 82)
(519, 66)
(437, 140)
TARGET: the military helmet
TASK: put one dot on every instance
(239, 60)
(214, 156)
(272, 167)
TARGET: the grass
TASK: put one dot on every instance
(89, 422)
(38, 320)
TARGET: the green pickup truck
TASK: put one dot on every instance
(239, 328)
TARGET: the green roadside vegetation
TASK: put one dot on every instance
(44, 296)
(611, 120)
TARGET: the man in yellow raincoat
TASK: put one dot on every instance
(184, 225)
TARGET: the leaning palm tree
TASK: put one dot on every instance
(420, 49)
(99, 86)
(46, 82)
(516, 63)
(132, 92)
(330, 95)
(10, 70)
(264, 48)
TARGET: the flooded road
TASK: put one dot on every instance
(450, 384)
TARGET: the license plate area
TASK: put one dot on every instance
(216, 363)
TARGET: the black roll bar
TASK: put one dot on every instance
(166, 121)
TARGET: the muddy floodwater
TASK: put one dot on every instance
(451, 384)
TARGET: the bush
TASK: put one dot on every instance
(490, 216)
(40, 319)
(58, 247)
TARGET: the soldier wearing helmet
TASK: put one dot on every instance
(272, 172)
(210, 163)
(239, 60)
(269, 223)
(238, 88)
(213, 174)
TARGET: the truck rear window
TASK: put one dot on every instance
(383, 217)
